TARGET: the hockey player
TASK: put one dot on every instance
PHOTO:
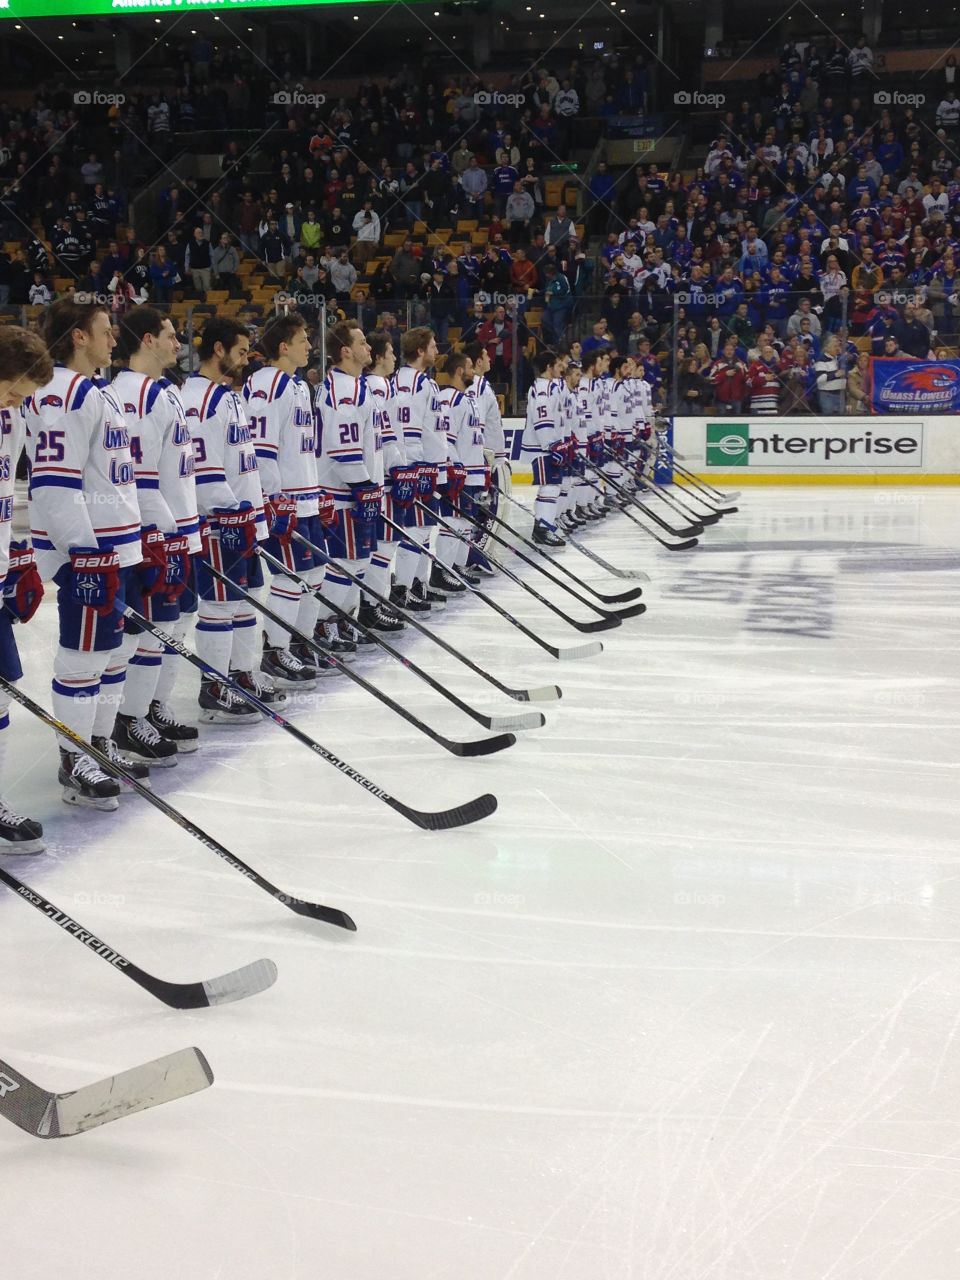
(618, 426)
(416, 396)
(25, 365)
(575, 515)
(467, 487)
(348, 463)
(233, 520)
(398, 497)
(593, 413)
(494, 445)
(643, 420)
(280, 408)
(85, 527)
(543, 438)
(163, 463)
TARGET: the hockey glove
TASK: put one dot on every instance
(153, 567)
(555, 463)
(595, 448)
(23, 589)
(237, 529)
(94, 578)
(177, 575)
(426, 481)
(281, 515)
(403, 481)
(328, 509)
(367, 499)
(456, 479)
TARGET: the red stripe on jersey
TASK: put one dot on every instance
(203, 403)
(143, 396)
(273, 385)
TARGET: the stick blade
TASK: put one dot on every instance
(579, 651)
(624, 598)
(522, 720)
(316, 911)
(606, 623)
(241, 983)
(447, 819)
(139, 1089)
(681, 546)
(545, 693)
(633, 612)
(483, 746)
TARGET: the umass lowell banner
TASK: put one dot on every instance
(914, 386)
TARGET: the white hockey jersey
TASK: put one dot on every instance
(162, 453)
(643, 415)
(225, 462)
(12, 432)
(491, 420)
(417, 399)
(543, 427)
(620, 407)
(348, 449)
(394, 452)
(83, 490)
(461, 423)
(282, 424)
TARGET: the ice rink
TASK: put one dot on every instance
(685, 1008)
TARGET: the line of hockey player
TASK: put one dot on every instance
(136, 486)
(582, 418)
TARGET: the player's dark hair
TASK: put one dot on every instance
(414, 342)
(282, 329)
(588, 359)
(24, 355)
(134, 327)
(222, 329)
(474, 350)
(455, 364)
(616, 364)
(60, 321)
(379, 343)
(339, 338)
(542, 362)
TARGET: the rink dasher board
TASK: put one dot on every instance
(882, 449)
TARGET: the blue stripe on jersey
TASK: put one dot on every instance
(55, 482)
(266, 450)
(144, 483)
(218, 477)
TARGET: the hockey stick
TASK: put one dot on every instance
(704, 486)
(62, 1115)
(443, 820)
(603, 623)
(625, 597)
(329, 915)
(637, 575)
(482, 747)
(670, 546)
(649, 485)
(694, 530)
(522, 719)
(237, 985)
(588, 650)
(545, 693)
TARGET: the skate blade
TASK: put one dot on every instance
(108, 804)
(16, 849)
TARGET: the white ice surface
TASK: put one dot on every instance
(686, 1008)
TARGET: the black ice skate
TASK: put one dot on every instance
(186, 737)
(141, 740)
(220, 705)
(84, 782)
(134, 768)
(18, 834)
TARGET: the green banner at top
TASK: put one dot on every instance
(152, 8)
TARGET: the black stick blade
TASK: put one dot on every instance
(315, 911)
(633, 612)
(601, 624)
(484, 746)
(447, 819)
(680, 546)
(634, 594)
